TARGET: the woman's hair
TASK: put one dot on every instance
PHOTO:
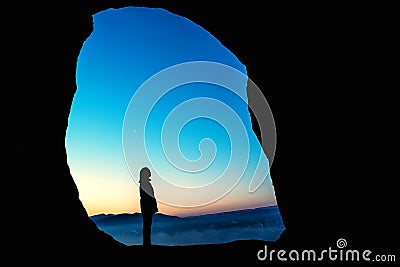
(144, 174)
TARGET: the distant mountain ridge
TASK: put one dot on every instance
(263, 223)
(127, 218)
(100, 216)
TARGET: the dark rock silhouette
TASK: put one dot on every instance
(41, 43)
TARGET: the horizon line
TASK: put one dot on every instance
(138, 212)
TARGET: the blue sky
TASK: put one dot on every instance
(156, 89)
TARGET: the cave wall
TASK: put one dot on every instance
(41, 45)
(48, 44)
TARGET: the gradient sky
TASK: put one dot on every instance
(184, 123)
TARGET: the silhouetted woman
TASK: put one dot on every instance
(148, 204)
